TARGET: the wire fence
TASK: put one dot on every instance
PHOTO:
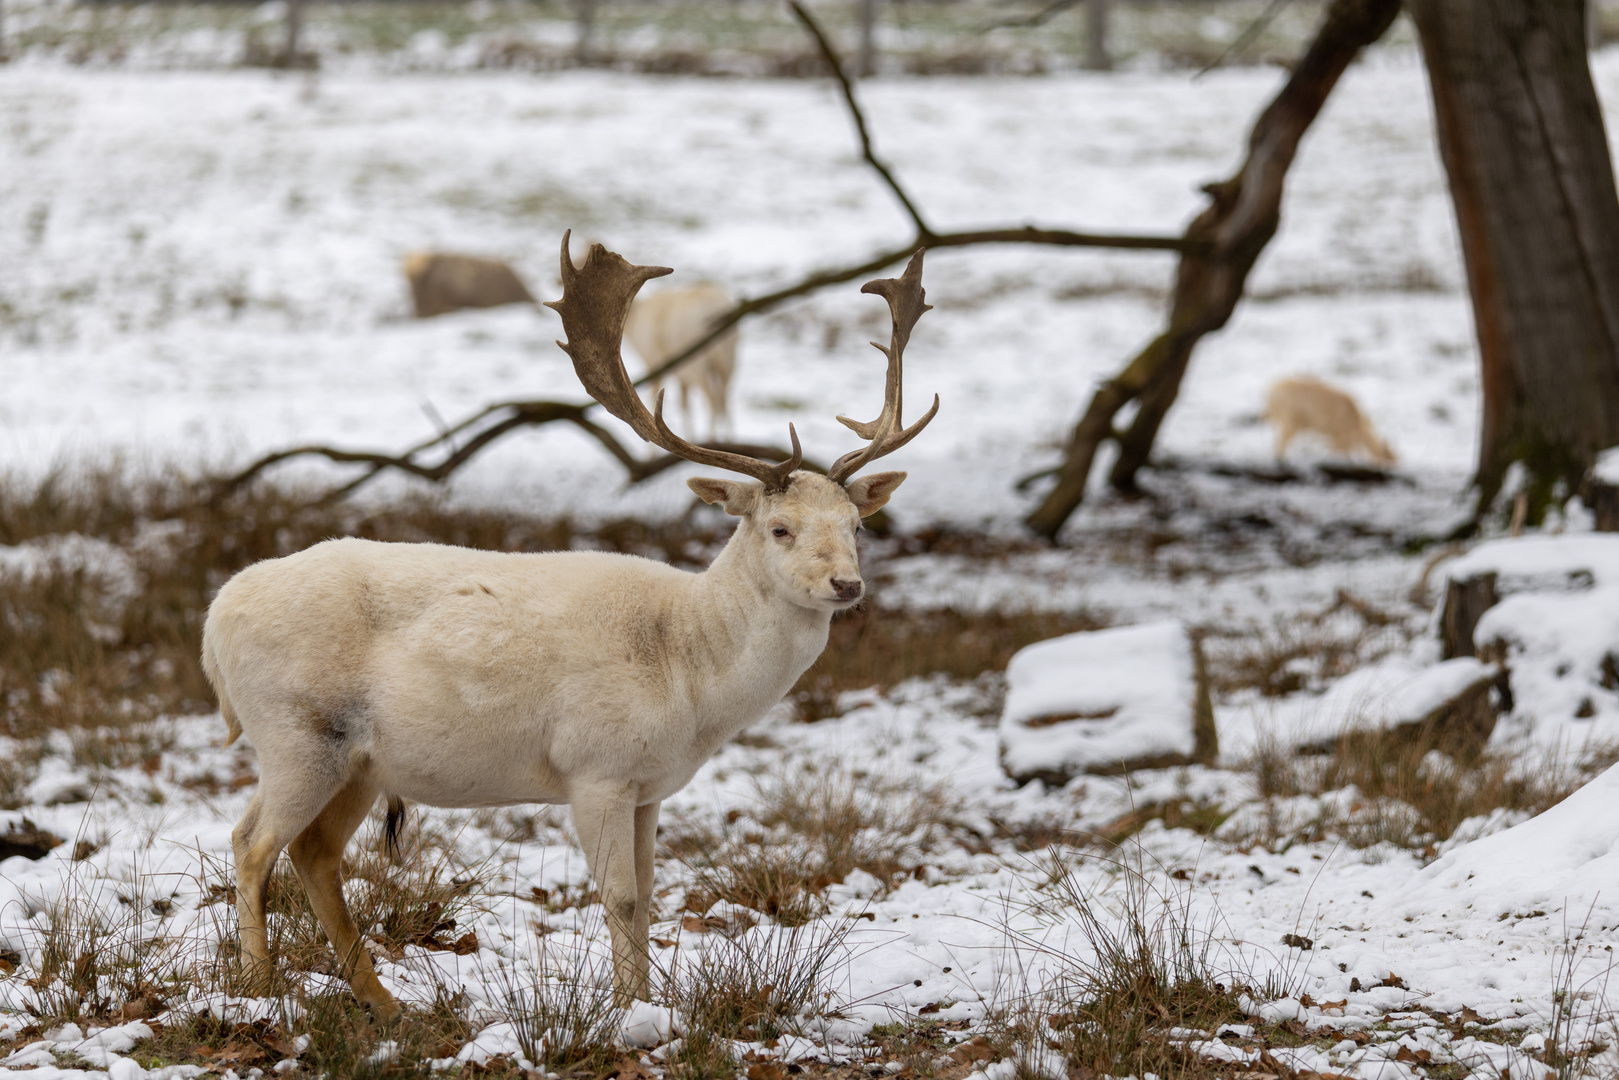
(704, 37)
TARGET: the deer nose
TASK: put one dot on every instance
(847, 590)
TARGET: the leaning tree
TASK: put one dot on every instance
(1520, 132)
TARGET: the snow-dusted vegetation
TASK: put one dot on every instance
(1252, 816)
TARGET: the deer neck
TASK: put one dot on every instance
(757, 640)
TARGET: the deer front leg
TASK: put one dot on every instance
(646, 838)
(604, 816)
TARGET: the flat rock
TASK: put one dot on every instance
(1106, 701)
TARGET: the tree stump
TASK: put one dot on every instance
(1462, 726)
(1602, 496)
(1466, 601)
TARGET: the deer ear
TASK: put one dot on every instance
(869, 493)
(737, 497)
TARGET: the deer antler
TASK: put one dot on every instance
(906, 303)
(595, 302)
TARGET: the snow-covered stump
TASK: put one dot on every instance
(1601, 492)
(1466, 601)
(1106, 702)
(1451, 707)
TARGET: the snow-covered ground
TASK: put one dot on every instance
(198, 268)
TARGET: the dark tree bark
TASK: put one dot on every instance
(1520, 132)
(1242, 216)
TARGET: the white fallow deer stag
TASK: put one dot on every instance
(461, 678)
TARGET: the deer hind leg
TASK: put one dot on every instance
(288, 799)
(715, 379)
(604, 816)
(686, 375)
(317, 856)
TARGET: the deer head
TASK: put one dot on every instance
(805, 523)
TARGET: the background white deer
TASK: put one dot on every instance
(1303, 404)
(464, 678)
(666, 323)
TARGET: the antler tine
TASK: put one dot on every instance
(594, 306)
(906, 304)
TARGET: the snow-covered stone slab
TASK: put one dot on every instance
(1105, 701)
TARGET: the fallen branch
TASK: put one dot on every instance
(534, 413)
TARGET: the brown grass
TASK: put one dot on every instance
(62, 668)
(756, 986)
(877, 646)
(1112, 1009)
(1301, 652)
(812, 829)
(1409, 792)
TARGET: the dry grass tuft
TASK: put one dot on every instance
(106, 952)
(1303, 652)
(1142, 969)
(563, 1011)
(813, 829)
(1373, 788)
(756, 986)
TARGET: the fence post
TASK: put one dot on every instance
(295, 28)
(1096, 55)
(584, 14)
(868, 38)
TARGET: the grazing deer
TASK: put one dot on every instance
(663, 325)
(462, 678)
(441, 283)
(1301, 404)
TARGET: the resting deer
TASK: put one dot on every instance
(441, 283)
(1301, 404)
(463, 678)
(664, 324)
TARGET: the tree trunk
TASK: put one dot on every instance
(1520, 132)
(1242, 216)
